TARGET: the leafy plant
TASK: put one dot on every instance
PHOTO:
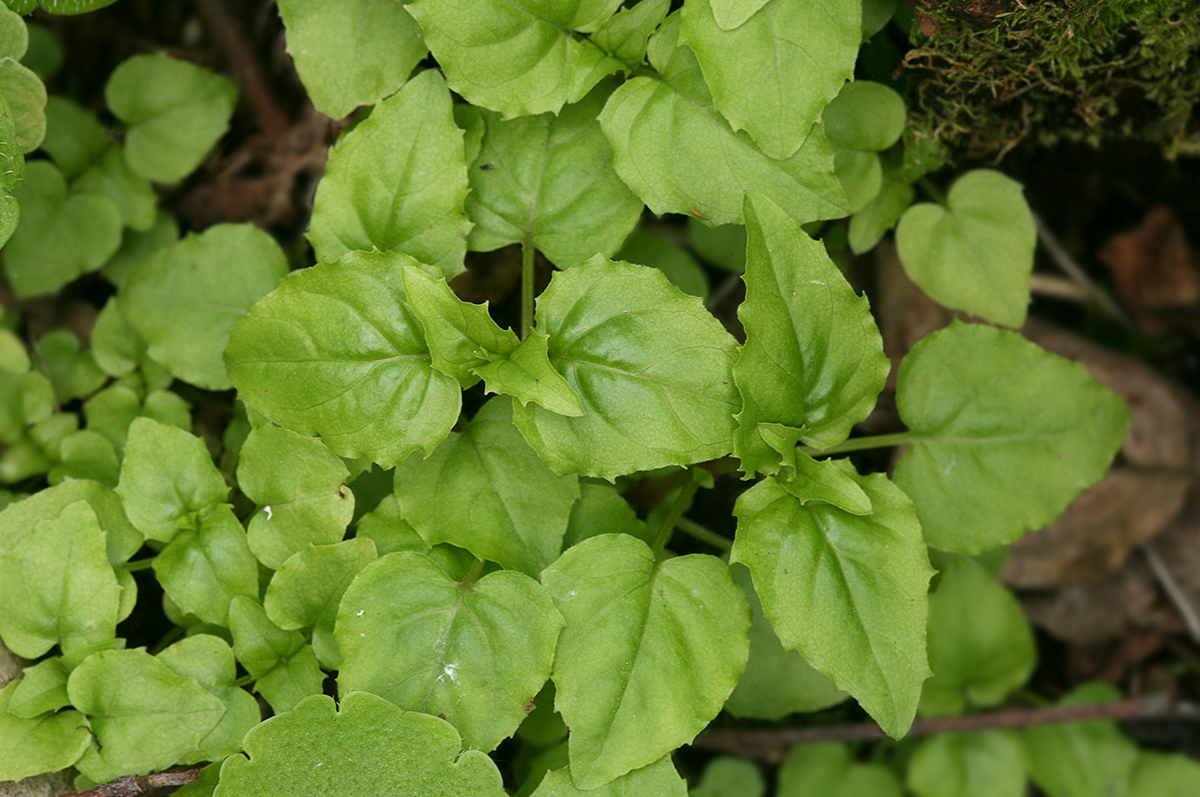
(506, 558)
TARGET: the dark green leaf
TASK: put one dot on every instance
(649, 249)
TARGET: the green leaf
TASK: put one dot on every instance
(57, 585)
(14, 35)
(13, 357)
(730, 777)
(527, 375)
(73, 373)
(183, 300)
(26, 97)
(601, 510)
(130, 192)
(137, 246)
(624, 34)
(986, 763)
(61, 235)
(813, 359)
(1081, 759)
(980, 644)
(474, 652)
(873, 220)
(12, 176)
(86, 455)
(548, 181)
(143, 729)
(486, 490)
(202, 570)
(209, 660)
(160, 501)
(773, 75)
(45, 55)
(847, 591)
(41, 744)
(65, 7)
(1004, 435)
(461, 336)
(74, 137)
(680, 156)
(659, 779)
(308, 587)
(637, 629)
(861, 176)
(1161, 775)
(116, 345)
(649, 249)
(826, 769)
(176, 112)
(284, 667)
(41, 688)
(776, 681)
(864, 116)
(351, 53)
(397, 182)
(20, 518)
(517, 58)
(111, 412)
(372, 394)
(976, 253)
(723, 246)
(651, 366)
(732, 13)
(369, 747)
(300, 486)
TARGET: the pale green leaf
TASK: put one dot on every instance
(203, 569)
(111, 412)
(659, 779)
(651, 366)
(732, 13)
(847, 591)
(11, 175)
(42, 687)
(776, 681)
(137, 246)
(14, 35)
(602, 510)
(61, 235)
(167, 477)
(368, 747)
(864, 116)
(209, 660)
(306, 590)
(176, 112)
(624, 34)
(474, 652)
(184, 299)
(826, 770)
(57, 585)
(486, 490)
(460, 335)
(976, 253)
(299, 486)
(636, 629)
(20, 518)
(680, 156)
(527, 375)
(65, 7)
(1005, 435)
(86, 455)
(773, 75)
(133, 195)
(145, 717)
(1081, 759)
(813, 359)
(861, 176)
(730, 777)
(26, 97)
(649, 249)
(985, 763)
(980, 644)
(373, 393)
(1162, 775)
(283, 665)
(518, 58)
(548, 181)
(13, 357)
(873, 220)
(397, 181)
(31, 746)
(73, 373)
(74, 137)
(353, 52)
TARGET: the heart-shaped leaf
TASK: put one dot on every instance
(284, 667)
(41, 744)
(984, 763)
(203, 569)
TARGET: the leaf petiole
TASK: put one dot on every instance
(861, 444)
(674, 514)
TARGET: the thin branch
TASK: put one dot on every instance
(703, 534)
(138, 785)
(1063, 259)
(1057, 287)
(763, 743)
(244, 66)
(1178, 597)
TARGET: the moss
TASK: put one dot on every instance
(1058, 70)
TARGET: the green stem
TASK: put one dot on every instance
(140, 564)
(174, 635)
(682, 502)
(527, 279)
(245, 680)
(473, 574)
(703, 534)
(932, 190)
(861, 444)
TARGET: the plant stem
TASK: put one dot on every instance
(932, 190)
(861, 444)
(527, 279)
(473, 574)
(245, 680)
(703, 534)
(140, 564)
(682, 502)
(174, 635)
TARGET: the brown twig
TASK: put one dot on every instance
(136, 785)
(761, 743)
